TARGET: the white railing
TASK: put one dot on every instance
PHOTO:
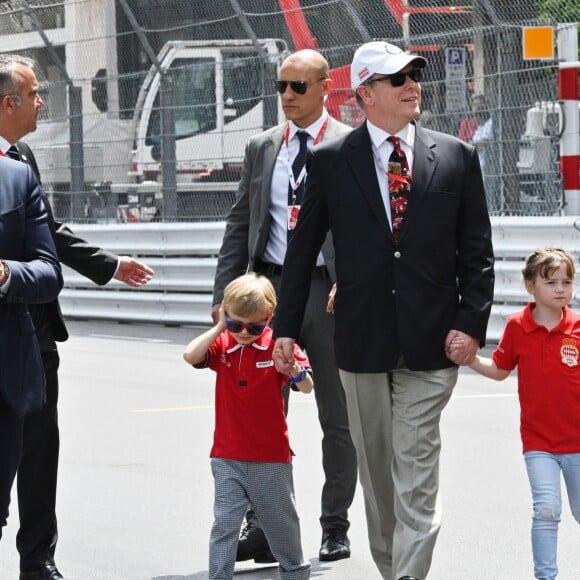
(184, 259)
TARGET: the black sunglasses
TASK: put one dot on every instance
(398, 80)
(253, 328)
(299, 87)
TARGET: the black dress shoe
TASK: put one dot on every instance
(253, 545)
(48, 572)
(335, 545)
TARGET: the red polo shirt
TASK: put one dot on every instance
(548, 379)
(250, 424)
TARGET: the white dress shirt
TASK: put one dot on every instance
(278, 239)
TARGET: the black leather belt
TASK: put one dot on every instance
(270, 270)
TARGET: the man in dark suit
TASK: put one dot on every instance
(29, 273)
(257, 230)
(414, 265)
(37, 473)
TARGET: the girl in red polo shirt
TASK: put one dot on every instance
(543, 341)
(251, 455)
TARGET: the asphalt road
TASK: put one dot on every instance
(135, 490)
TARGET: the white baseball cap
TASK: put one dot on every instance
(380, 58)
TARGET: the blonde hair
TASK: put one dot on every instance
(544, 261)
(248, 295)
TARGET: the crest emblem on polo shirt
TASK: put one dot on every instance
(569, 352)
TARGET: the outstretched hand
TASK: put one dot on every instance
(132, 272)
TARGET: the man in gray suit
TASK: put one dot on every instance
(260, 222)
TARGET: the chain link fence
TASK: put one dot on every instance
(148, 104)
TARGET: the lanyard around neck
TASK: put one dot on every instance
(295, 182)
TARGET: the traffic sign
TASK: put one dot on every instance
(455, 79)
(538, 42)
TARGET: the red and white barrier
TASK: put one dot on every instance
(569, 94)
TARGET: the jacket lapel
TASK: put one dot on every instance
(266, 160)
(424, 164)
(270, 151)
(360, 158)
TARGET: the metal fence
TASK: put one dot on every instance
(184, 257)
(149, 103)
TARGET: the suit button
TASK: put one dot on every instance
(397, 254)
(393, 291)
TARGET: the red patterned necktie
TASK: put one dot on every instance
(399, 185)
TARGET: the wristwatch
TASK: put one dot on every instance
(300, 377)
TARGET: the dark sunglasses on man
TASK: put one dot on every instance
(398, 79)
(298, 87)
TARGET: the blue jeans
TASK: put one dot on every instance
(544, 475)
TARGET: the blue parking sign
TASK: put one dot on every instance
(456, 56)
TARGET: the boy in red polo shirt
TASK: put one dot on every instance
(543, 341)
(251, 455)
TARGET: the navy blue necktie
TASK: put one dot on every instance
(13, 153)
(295, 197)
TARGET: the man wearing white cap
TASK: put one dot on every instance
(414, 266)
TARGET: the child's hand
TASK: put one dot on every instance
(460, 348)
(330, 303)
(457, 342)
(221, 322)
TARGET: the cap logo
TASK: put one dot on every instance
(363, 73)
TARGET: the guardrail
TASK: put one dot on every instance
(184, 257)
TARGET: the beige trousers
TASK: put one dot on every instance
(394, 424)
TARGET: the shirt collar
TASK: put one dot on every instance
(262, 343)
(4, 145)
(378, 135)
(566, 325)
(312, 129)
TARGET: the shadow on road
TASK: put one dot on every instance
(261, 573)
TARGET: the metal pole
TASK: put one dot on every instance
(76, 135)
(77, 155)
(168, 171)
(269, 72)
(168, 147)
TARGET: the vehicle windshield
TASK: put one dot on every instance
(194, 99)
(194, 93)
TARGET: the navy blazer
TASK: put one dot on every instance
(26, 245)
(403, 299)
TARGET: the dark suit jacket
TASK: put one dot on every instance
(95, 263)
(248, 225)
(394, 300)
(27, 247)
